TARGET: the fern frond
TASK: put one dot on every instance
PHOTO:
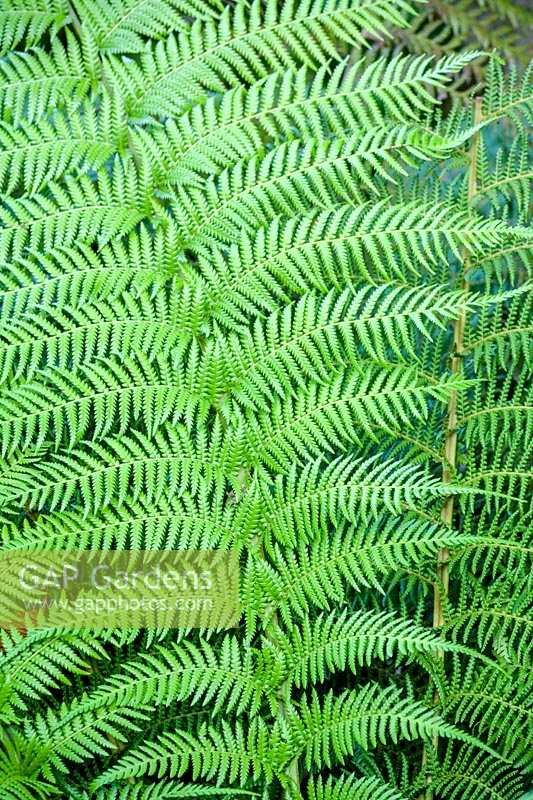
(20, 766)
(227, 679)
(296, 104)
(328, 731)
(77, 210)
(50, 148)
(262, 291)
(451, 25)
(246, 44)
(69, 734)
(315, 336)
(338, 642)
(298, 176)
(72, 277)
(351, 788)
(469, 775)
(70, 337)
(179, 523)
(507, 179)
(124, 27)
(319, 574)
(501, 332)
(169, 463)
(499, 615)
(32, 83)
(36, 664)
(221, 755)
(328, 417)
(494, 708)
(29, 20)
(110, 395)
(508, 93)
(302, 504)
(348, 244)
(161, 790)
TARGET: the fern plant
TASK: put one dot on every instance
(448, 26)
(260, 293)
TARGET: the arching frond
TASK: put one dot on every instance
(79, 210)
(351, 788)
(33, 155)
(29, 20)
(317, 575)
(33, 82)
(171, 462)
(326, 173)
(342, 246)
(330, 730)
(215, 754)
(265, 289)
(187, 522)
(247, 43)
(124, 27)
(332, 416)
(73, 336)
(297, 104)
(340, 642)
(72, 277)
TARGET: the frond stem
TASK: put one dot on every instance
(450, 446)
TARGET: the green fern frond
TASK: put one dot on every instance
(471, 775)
(29, 20)
(326, 173)
(246, 44)
(327, 732)
(70, 735)
(499, 615)
(79, 210)
(74, 336)
(108, 395)
(319, 575)
(227, 679)
(351, 788)
(34, 154)
(508, 93)
(161, 790)
(35, 665)
(72, 277)
(124, 27)
(315, 336)
(181, 523)
(332, 416)
(297, 104)
(20, 765)
(348, 244)
(348, 642)
(169, 463)
(221, 755)
(32, 83)
(509, 177)
(495, 709)
(303, 503)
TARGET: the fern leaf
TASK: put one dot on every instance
(246, 44)
(28, 21)
(31, 83)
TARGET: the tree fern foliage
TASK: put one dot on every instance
(260, 291)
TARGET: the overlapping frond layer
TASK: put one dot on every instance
(252, 280)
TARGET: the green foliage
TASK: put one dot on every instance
(447, 26)
(254, 276)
